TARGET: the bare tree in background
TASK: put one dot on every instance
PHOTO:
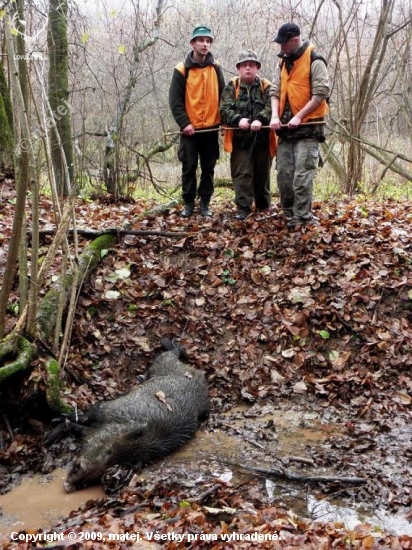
(110, 168)
(363, 77)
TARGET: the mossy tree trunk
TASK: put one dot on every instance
(60, 135)
(6, 124)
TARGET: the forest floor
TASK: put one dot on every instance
(305, 337)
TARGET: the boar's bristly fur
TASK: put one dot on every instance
(151, 421)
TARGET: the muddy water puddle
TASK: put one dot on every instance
(241, 436)
(39, 502)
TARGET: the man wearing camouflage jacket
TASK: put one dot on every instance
(245, 107)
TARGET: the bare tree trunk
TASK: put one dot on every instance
(19, 213)
(22, 172)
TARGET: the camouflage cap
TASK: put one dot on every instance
(201, 30)
(248, 55)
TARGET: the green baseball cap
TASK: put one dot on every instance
(201, 30)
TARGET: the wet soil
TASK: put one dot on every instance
(314, 326)
(292, 439)
(40, 502)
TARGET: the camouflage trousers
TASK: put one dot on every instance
(296, 162)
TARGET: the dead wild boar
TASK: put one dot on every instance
(153, 420)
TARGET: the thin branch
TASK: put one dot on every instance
(284, 474)
(92, 234)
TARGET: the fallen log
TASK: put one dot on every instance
(88, 260)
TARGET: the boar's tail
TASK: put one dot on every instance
(172, 345)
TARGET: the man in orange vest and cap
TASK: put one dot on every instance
(194, 94)
(299, 94)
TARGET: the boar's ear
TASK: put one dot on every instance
(167, 344)
(172, 345)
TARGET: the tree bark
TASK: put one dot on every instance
(6, 124)
(60, 134)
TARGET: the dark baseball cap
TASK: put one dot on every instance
(286, 31)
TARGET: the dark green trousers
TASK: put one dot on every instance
(250, 170)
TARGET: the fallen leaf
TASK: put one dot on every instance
(112, 294)
(300, 387)
(402, 398)
(162, 397)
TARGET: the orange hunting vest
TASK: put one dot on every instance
(228, 135)
(202, 95)
(296, 87)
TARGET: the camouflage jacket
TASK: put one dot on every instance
(251, 103)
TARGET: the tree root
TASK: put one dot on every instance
(16, 354)
(20, 350)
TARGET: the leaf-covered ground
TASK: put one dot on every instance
(316, 320)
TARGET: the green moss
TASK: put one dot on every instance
(53, 390)
(25, 352)
(6, 141)
(5, 94)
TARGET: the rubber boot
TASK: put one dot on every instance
(187, 210)
(204, 207)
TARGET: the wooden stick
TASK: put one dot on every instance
(319, 122)
(196, 131)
